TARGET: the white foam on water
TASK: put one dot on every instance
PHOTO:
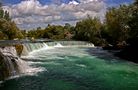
(53, 63)
(90, 45)
(31, 71)
(81, 65)
(1, 82)
(52, 52)
(27, 69)
(45, 45)
(34, 71)
(58, 45)
(44, 48)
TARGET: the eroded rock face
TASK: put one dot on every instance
(9, 62)
(19, 49)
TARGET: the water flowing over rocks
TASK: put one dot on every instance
(33, 47)
(10, 63)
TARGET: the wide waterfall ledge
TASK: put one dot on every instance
(29, 48)
(12, 65)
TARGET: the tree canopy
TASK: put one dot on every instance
(8, 28)
(120, 25)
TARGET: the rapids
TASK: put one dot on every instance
(75, 68)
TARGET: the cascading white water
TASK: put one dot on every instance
(75, 68)
(11, 64)
(45, 45)
(70, 43)
(31, 47)
(58, 45)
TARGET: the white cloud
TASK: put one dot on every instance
(33, 12)
(73, 2)
(88, 1)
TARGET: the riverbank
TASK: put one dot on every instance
(129, 52)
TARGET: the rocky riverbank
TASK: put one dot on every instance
(130, 52)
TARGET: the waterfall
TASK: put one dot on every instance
(31, 47)
(70, 44)
(58, 45)
(10, 63)
(45, 45)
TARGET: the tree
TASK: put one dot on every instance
(117, 24)
(133, 23)
(8, 27)
(89, 29)
(3, 36)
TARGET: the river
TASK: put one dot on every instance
(76, 68)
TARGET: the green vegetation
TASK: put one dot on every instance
(8, 28)
(120, 25)
(52, 32)
(130, 52)
(119, 30)
(89, 30)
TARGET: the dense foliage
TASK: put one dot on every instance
(8, 29)
(52, 32)
(119, 28)
(120, 25)
(89, 30)
(130, 51)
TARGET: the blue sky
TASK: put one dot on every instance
(27, 13)
(66, 1)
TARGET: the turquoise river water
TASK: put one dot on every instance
(75, 68)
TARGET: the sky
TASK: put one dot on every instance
(29, 14)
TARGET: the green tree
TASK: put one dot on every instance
(89, 29)
(116, 24)
(133, 23)
(8, 27)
